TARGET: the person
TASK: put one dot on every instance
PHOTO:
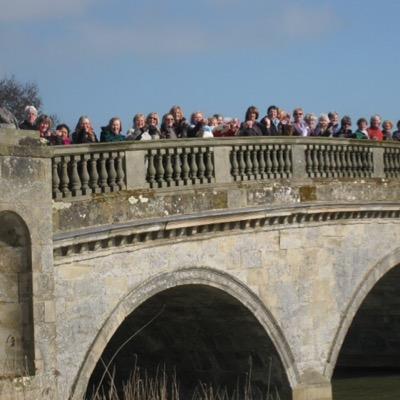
(345, 129)
(220, 119)
(284, 118)
(396, 134)
(334, 126)
(300, 128)
(361, 132)
(112, 132)
(153, 121)
(374, 130)
(212, 122)
(181, 126)
(271, 123)
(387, 127)
(62, 135)
(199, 126)
(250, 126)
(167, 130)
(311, 121)
(323, 126)
(30, 121)
(84, 132)
(44, 124)
(139, 130)
(229, 128)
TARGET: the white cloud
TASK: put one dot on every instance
(32, 10)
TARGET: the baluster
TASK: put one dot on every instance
(93, 172)
(201, 166)
(261, 164)
(254, 160)
(185, 166)
(193, 166)
(329, 157)
(151, 169)
(274, 162)
(168, 167)
(341, 162)
(326, 161)
(350, 157)
(209, 164)
(103, 173)
(55, 178)
(346, 162)
(364, 162)
(396, 159)
(177, 167)
(64, 177)
(84, 174)
(333, 162)
(120, 170)
(357, 160)
(75, 181)
(386, 163)
(112, 174)
(234, 164)
(391, 162)
(242, 165)
(159, 168)
(288, 162)
(268, 158)
(309, 165)
(281, 163)
(315, 162)
(249, 166)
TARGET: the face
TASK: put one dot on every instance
(324, 122)
(116, 127)
(31, 117)
(298, 115)
(213, 122)
(375, 122)
(252, 116)
(312, 123)
(140, 122)
(85, 125)
(273, 113)
(43, 127)
(198, 117)
(334, 119)
(363, 125)
(169, 120)
(178, 115)
(220, 120)
(64, 132)
(386, 126)
(152, 120)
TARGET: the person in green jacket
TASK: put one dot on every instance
(112, 132)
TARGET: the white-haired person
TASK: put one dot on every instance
(30, 121)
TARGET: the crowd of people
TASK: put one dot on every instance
(174, 125)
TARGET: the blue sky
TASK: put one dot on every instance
(104, 58)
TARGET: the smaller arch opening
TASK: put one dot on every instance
(368, 365)
(202, 334)
(16, 312)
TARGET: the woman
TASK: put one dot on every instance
(300, 128)
(323, 126)
(139, 130)
(345, 128)
(84, 132)
(62, 135)
(228, 129)
(112, 132)
(199, 126)
(312, 121)
(362, 131)
(250, 126)
(286, 126)
(181, 126)
(168, 127)
(153, 121)
(44, 124)
(387, 127)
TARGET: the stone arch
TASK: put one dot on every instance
(188, 276)
(16, 308)
(372, 277)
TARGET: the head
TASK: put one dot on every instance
(220, 119)
(212, 121)
(31, 114)
(84, 125)
(346, 122)
(298, 115)
(44, 124)
(115, 125)
(323, 121)
(153, 119)
(375, 121)
(283, 116)
(63, 129)
(168, 120)
(272, 112)
(177, 113)
(139, 121)
(333, 117)
(197, 117)
(387, 125)
(252, 114)
(362, 124)
(311, 120)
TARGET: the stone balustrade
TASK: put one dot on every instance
(82, 170)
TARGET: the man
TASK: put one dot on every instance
(270, 123)
(29, 122)
(374, 130)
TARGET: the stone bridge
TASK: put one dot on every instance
(211, 256)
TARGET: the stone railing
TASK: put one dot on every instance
(83, 170)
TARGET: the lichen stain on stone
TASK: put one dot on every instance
(133, 200)
(143, 199)
(61, 205)
(308, 193)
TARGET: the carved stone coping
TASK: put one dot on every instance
(91, 242)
